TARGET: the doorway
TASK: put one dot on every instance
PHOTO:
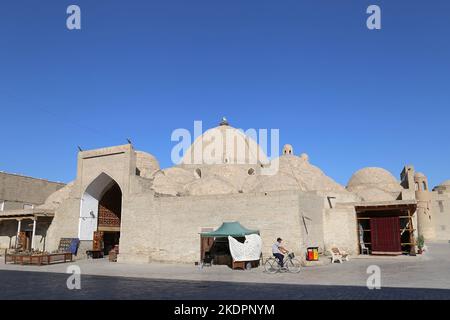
(386, 229)
(101, 213)
(109, 216)
(110, 240)
(385, 234)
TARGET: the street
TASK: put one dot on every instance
(38, 285)
(404, 277)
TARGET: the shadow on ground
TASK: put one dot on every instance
(42, 285)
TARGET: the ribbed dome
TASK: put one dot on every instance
(231, 144)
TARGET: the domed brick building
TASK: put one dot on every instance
(122, 197)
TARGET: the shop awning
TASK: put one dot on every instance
(387, 205)
(233, 229)
(26, 213)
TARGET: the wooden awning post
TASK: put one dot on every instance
(19, 224)
(412, 240)
(34, 232)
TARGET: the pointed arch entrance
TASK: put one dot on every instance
(100, 213)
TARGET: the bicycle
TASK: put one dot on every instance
(290, 263)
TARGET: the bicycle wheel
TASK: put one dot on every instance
(271, 265)
(293, 265)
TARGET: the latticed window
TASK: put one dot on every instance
(107, 218)
(109, 208)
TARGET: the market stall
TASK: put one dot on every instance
(231, 244)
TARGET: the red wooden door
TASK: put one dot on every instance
(385, 234)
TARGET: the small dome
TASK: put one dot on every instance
(375, 195)
(446, 183)
(293, 174)
(278, 182)
(57, 197)
(304, 157)
(146, 164)
(210, 186)
(172, 180)
(308, 176)
(444, 187)
(374, 184)
(419, 175)
(288, 150)
(375, 177)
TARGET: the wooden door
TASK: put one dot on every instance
(385, 235)
(205, 246)
(97, 244)
(22, 240)
(29, 240)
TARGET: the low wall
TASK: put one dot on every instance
(167, 228)
(340, 229)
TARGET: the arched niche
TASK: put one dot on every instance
(100, 202)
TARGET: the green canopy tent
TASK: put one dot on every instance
(217, 239)
(233, 229)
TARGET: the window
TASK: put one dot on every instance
(2, 205)
(417, 186)
(424, 186)
(28, 206)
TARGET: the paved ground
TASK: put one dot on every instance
(422, 277)
(37, 285)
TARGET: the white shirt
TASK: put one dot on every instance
(275, 247)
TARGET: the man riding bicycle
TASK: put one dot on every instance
(278, 251)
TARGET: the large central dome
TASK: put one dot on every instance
(224, 145)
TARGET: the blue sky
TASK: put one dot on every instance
(347, 96)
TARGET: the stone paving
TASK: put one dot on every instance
(38, 285)
(422, 277)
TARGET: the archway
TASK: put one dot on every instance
(100, 214)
